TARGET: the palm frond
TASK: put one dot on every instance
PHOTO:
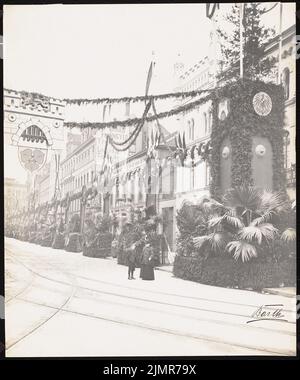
(264, 218)
(273, 201)
(217, 240)
(289, 235)
(215, 221)
(257, 233)
(198, 241)
(232, 219)
(268, 230)
(241, 249)
(210, 204)
(245, 197)
(251, 233)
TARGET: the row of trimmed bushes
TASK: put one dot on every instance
(102, 249)
(224, 271)
(75, 243)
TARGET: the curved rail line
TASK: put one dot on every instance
(27, 286)
(120, 321)
(141, 298)
(152, 328)
(39, 325)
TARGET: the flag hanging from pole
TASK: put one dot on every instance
(149, 77)
(211, 9)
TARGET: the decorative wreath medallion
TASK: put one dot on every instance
(262, 103)
(260, 150)
(32, 159)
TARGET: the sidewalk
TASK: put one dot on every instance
(284, 291)
(165, 268)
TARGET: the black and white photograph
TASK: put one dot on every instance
(149, 181)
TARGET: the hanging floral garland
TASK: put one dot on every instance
(135, 121)
(134, 99)
(133, 136)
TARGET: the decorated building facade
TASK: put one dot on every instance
(34, 138)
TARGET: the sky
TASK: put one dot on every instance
(99, 50)
(103, 50)
(90, 51)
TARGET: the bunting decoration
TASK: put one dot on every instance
(152, 144)
(181, 150)
(159, 127)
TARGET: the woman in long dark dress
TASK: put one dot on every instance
(147, 271)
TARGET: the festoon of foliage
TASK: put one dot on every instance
(241, 124)
(255, 37)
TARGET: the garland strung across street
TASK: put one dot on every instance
(133, 136)
(29, 96)
(135, 99)
(136, 120)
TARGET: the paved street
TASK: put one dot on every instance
(63, 304)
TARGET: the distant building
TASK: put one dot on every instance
(81, 165)
(16, 196)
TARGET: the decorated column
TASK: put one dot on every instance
(247, 137)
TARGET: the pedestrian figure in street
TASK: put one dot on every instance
(131, 261)
(147, 262)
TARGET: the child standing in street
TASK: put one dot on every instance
(131, 261)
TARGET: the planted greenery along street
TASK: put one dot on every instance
(245, 240)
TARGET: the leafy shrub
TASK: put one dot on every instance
(273, 270)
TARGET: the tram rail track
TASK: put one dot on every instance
(63, 308)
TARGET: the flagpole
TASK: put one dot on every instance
(280, 44)
(241, 41)
(214, 44)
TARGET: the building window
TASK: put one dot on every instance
(286, 82)
(207, 176)
(209, 122)
(191, 129)
(192, 171)
(87, 178)
(172, 179)
(127, 109)
(205, 122)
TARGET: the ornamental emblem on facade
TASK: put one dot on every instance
(32, 159)
(262, 103)
(35, 101)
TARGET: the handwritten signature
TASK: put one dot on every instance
(263, 313)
